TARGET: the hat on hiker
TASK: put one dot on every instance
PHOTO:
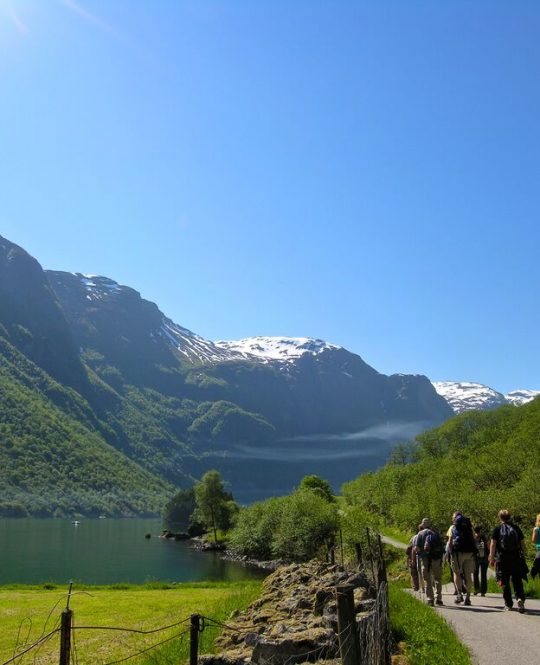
(425, 523)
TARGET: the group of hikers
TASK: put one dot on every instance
(469, 553)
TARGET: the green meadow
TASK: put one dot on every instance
(29, 613)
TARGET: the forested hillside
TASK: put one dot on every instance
(477, 462)
(54, 458)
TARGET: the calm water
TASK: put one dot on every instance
(33, 551)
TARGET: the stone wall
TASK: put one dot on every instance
(294, 620)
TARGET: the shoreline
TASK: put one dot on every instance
(201, 545)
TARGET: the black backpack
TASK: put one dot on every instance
(508, 538)
(433, 545)
(462, 535)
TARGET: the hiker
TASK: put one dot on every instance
(463, 550)
(506, 552)
(430, 550)
(417, 564)
(481, 566)
(412, 565)
(535, 570)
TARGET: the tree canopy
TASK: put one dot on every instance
(214, 506)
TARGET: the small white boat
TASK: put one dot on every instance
(75, 522)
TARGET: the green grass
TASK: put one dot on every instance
(428, 638)
(532, 587)
(26, 613)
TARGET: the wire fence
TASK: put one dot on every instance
(358, 639)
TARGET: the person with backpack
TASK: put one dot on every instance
(480, 570)
(535, 570)
(506, 552)
(430, 550)
(463, 552)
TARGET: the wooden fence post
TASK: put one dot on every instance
(194, 639)
(381, 564)
(348, 637)
(65, 637)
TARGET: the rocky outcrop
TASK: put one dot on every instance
(294, 620)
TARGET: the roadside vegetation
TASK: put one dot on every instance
(423, 635)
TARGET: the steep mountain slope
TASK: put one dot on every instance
(155, 395)
(54, 458)
(468, 396)
(33, 319)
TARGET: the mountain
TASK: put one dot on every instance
(144, 396)
(468, 396)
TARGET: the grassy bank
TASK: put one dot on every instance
(27, 613)
(425, 636)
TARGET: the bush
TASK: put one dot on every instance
(294, 528)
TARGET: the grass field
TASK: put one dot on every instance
(28, 613)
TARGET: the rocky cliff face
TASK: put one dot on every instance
(32, 318)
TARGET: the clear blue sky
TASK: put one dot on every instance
(363, 172)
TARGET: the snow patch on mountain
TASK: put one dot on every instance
(268, 349)
(518, 397)
(98, 287)
(469, 396)
(194, 347)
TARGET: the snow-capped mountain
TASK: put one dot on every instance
(197, 349)
(266, 349)
(470, 396)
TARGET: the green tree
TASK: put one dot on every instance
(212, 503)
(319, 486)
(180, 507)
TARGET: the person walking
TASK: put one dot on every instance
(481, 566)
(412, 565)
(505, 554)
(535, 570)
(462, 549)
(430, 550)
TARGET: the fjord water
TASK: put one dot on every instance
(104, 551)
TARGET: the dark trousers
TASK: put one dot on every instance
(480, 576)
(535, 570)
(510, 571)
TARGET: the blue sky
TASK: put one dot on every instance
(362, 172)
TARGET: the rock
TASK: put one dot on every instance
(296, 648)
